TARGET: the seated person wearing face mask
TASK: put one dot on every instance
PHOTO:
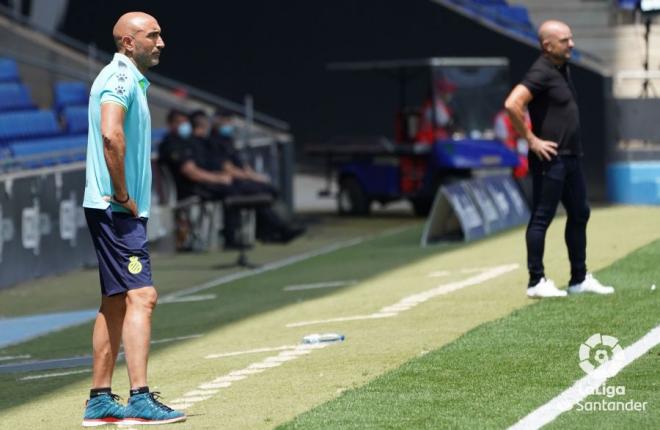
(245, 179)
(200, 172)
(183, 156)
(181, 152)
(223, 149)
(178, 129)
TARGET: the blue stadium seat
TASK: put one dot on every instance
(70, 93)
(8, 70)
(510, 18)
(47, 152)
(15, 96)
(628, 4)
(28, 125)
(518, 14)
(75, 119)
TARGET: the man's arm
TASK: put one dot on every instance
(243, 172)
(114, 150)
(255, 176)
(233, 170)
(516, 105)
(195, 173)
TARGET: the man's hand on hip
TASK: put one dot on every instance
(129, 205)
(544, 149)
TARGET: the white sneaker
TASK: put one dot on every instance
(545, 288)
(590, 285)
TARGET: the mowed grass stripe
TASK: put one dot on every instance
(499, 372)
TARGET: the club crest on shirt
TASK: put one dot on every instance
(134, 265)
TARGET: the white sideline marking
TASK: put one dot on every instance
(185, 299)
(194, 399)
(264, 365)
(410, 302)
(229, 378)
(281, 359)
(246, 372)
(53, 375)
(283, 263)
(343, 319)
(180, 406)
(173, 339)
(14, 357)
(583, 387)
(214, 385)
(206, 390)
(295, 353)
(251, 351)
(439, 274)
(203, 392)
(330, 284)
(265, 268)
(81, 361)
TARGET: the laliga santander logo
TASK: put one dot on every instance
(601, 350)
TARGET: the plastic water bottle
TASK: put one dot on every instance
(323, 337)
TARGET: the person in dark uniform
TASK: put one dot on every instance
(178, 127)
(222, 142)
(270, 226)
(555, 160)
(184, 155)
(199, 171)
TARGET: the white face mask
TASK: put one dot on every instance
(226, 130)
(184, 130)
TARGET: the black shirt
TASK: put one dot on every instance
(554, 110)
(223, 149)
(174, 152)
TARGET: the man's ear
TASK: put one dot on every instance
(546, 45)
(128, 43)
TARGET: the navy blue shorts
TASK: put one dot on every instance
(120, 241)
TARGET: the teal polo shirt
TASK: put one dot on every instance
(122, 83)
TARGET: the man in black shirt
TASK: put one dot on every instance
(223, 149)
(207, 168)
(554, 160)
(183, 153)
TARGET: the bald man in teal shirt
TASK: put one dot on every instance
(117, 200)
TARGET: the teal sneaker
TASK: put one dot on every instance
(103, 409)
(146, 409)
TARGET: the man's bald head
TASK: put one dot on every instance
(551, 28)
(137, 35)
(129, 24)
(556, 40)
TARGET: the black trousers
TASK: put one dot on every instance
(269, 223)
(561, 179)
